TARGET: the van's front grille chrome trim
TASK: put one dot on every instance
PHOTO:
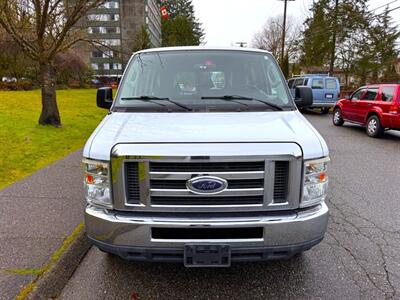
(267, 180)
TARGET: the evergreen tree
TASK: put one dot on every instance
(181, 13)
(382, 46)
(329, 28)
(315, 44)
(142, 40)
(178, 32)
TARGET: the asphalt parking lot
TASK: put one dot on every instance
(357, 259)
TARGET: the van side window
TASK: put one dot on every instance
(290, 83)
(330, 84)
(318, 83)
(305, 81)
(298, 81)
(371, 94)
(388, 94)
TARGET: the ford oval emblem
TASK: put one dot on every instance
(206, 185)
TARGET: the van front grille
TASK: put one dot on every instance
(249, 183)
(245, 182)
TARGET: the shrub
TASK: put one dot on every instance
(22, 85)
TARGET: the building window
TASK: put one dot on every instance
(97, 30)
(111, 4)
(117, 66)
(113, 30)
(108, 54)
(95, 66)
(110, 42)
(104, 30)
(114, 17)
(97, 54)
(106, 66)
(103, 17)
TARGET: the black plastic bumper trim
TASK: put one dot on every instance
(238, 254)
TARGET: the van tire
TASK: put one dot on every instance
(324, 110)
(374, 127)
(337, 117)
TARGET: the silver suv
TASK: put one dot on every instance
(205, 159)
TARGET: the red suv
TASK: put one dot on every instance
(377, 107)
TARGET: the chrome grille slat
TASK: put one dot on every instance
(205, 166)
(188, 175)
(181, 184)
(186, 193)
(207, 201)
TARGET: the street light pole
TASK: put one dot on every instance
(333, 49)
(284, 31)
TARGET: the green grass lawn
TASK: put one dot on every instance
(26, 146)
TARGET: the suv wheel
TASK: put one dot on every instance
(374, 128)
(337, 117)
(324, 110)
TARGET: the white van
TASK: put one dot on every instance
(205, 159)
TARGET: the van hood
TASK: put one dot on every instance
(285, 126)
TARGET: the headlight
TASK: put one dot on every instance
(97, 183)
(315, 181)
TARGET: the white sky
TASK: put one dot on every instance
(229, 21)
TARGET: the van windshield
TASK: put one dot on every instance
(203, 80)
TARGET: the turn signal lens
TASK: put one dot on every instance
(322, 177)
(315, 182)
(97, 183)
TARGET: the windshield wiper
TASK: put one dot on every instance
(237, 97)
(151, 98)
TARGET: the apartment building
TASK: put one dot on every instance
(113, 26)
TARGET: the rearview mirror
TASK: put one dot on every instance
(104, 97)
(303, 96)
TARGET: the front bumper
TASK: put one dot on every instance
(323, 104)
(129, 235)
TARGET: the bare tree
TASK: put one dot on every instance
(43, 29)
(270, 37)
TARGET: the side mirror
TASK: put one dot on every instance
(104, 97)
(303, 96)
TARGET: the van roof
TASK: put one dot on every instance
(312, 75)
(193, 48)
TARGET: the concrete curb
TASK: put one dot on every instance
(52, 282)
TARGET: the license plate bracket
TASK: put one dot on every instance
(207, 255)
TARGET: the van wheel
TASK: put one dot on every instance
(324, 110)
(337, 117)
(374, 128)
